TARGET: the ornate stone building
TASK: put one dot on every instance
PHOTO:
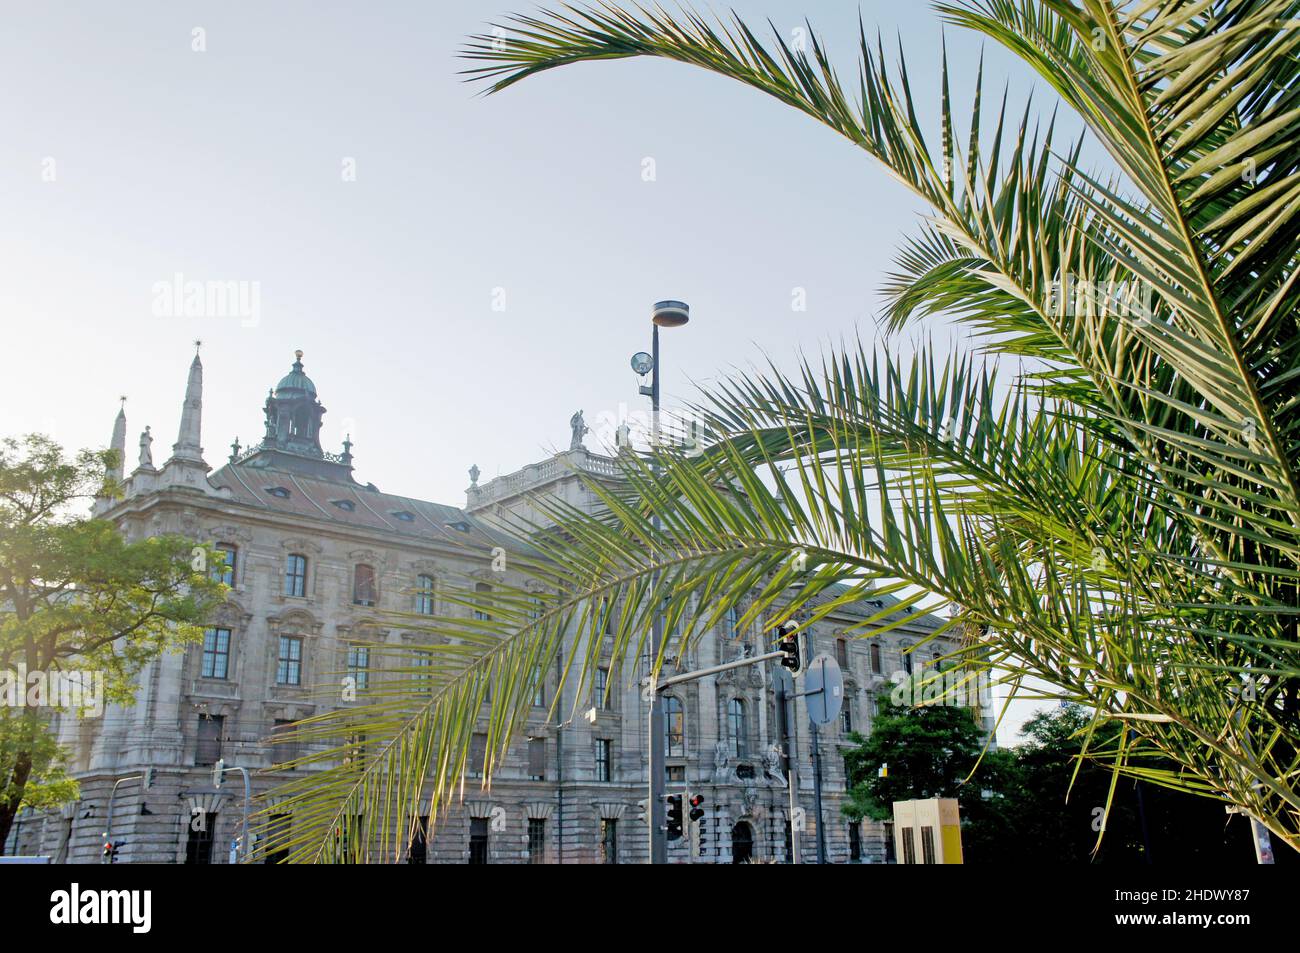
(316, 561)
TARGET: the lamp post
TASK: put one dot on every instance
(666, 314)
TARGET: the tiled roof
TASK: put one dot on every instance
(364, 507)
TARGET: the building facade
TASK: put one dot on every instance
(317, 563)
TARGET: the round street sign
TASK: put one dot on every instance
(823, 690)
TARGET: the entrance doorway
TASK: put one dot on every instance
(742, 843)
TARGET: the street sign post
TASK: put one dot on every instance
(823, 691)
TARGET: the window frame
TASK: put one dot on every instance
(365, 585)
(224, 571)
(674, 709)
(291, 663)
(295, 576)
(737, 727)
(215, 653)
(425, 588)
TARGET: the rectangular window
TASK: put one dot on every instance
(600, 688)
(359, 666)
(283, 751)
(609, 840)
(295, 575)
(210, 732)
(876, 666)
(927, 845)
(855, 841)
(477, 754)
(539, 686)
(842, 653)
(364, 591)
(424, 595)
(482, 594)
(537, 759)
(198, 843)
(478, 840)
(277, 835)
(602, 759)
(846, 716)
(418, 852)
(536, 840)
(909, 846)
(288, 670)
(423, 662)
(216, 653)
(907, 661)
(223, 566)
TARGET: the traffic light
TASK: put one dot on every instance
(699, 830)
(110, 851)
(674, 816)
(697, 806)
(218, 772)
(789, 646)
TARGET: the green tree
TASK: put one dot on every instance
(927, 752)
(1059, 794)
(1122, 523)
(77, 600)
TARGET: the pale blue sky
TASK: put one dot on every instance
(227, 165)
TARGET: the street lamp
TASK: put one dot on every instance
(666, 314)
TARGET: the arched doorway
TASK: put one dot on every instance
(742, 843)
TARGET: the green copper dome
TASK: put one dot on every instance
(295, 382)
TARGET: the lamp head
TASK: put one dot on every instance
(671, 314)
(642, 363)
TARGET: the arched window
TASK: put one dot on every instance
(846, 715)
(363, 585)
(424, 595)
(736, 727)
(674, 727)
(223, 566)
(482, 588)
(907, 659)
(295, 575)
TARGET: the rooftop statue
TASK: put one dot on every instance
(580, 430)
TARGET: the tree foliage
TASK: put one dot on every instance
(77, 599)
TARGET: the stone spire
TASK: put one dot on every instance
(118, 443)
(187, 447)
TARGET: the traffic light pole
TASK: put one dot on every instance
(657, 808)
(218, 771)
(788, 722)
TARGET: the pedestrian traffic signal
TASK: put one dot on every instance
(674, 816)
(789, 646)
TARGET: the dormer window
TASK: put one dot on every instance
(460, 525)
(404, 516)
(346, 505)
(279, 491)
